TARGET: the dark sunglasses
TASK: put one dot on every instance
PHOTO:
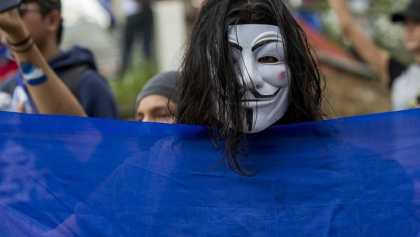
(27, 7)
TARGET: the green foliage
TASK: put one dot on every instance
(127, 88)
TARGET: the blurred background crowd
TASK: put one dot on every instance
(134, 40)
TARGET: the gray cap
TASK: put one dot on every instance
(164, 84)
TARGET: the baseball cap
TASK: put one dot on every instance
(412, 12)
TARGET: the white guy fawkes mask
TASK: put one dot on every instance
(259, 52)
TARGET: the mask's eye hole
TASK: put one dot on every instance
(268, 59)
(236, 46)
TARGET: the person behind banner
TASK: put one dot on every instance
(248, 66)
(76, 67)
(401, 79)
(48, 92)
(158, 99)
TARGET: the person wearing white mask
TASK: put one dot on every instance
(248, 66)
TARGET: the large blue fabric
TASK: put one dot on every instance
(69, 176)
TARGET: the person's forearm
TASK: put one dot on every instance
(376, 57)
(343, 13)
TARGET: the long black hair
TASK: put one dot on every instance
(208, 72)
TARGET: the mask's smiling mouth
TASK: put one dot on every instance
(257, 97)
(250, 100)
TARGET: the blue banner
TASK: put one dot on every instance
(71, 176)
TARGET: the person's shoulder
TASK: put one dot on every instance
(96, 96)
(92, 83)
(91, 77)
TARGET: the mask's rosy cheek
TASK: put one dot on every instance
(282, 75)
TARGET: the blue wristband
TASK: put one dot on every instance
(33, 75)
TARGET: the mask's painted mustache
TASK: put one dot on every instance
(249, 116)
(258, 95)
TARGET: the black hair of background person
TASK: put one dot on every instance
(209, 72)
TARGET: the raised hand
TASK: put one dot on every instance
(12, 26)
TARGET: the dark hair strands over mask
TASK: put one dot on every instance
(209, 73)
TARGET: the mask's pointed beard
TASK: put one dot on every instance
(249, 116)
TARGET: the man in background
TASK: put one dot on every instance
(158, 99)
(75, 67)
(139, 24)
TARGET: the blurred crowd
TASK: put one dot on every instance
(157, 101)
